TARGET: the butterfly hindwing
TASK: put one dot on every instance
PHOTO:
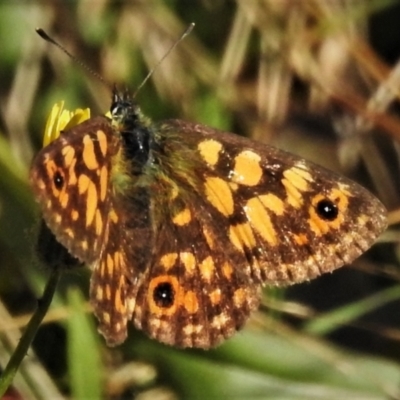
(193, 295)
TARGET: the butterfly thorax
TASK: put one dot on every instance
(134, 129)
(152, 156)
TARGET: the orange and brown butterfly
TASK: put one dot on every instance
(182, 224)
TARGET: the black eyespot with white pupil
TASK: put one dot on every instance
(327, 209)
(164, 295)
(58, 180)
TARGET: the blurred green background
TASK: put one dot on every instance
(317, 78)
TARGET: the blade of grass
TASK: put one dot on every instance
(43, 305)
(343, 315)
(84, 359)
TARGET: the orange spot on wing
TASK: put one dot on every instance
(300, 239)
(210, 150)
(99, 223)
(207, 268)
(108, 291)
(88, 154)
(110, 265)
(215, 296)
(69, 155)
(72, 179)
(102, 139)
(99, 293)
(239, 297)
(219, 194)
(64, 197)
(119, 304)
(91, 203)
(167, 261)
(227, 270)
(273, 203)
(296, 181)
(190, 302)
(83, 183)
(74, 215)
(260, 220)
(208, 237)
(247, 169)
(242, 235)
(113, 216)
(189, 262)
(182, 218)
(103, 182)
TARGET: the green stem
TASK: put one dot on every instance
(20, 351)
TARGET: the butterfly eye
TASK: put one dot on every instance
(120, 110)
(58, 180)
(116, 111)
(164, 294)
(327, 209)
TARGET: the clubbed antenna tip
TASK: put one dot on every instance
(49, 39)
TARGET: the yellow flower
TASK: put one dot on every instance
(60, 119)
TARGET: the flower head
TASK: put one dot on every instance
(60, 119)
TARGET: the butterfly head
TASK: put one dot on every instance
(122, 106)
(125, 112)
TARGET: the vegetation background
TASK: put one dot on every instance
(318, 78)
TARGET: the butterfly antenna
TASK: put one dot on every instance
(47, 38)
(183, 36)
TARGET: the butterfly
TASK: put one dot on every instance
(182, 224)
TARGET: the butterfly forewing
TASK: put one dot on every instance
(293, 218)
(70, 178)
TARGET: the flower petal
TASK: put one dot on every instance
(60, 119)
